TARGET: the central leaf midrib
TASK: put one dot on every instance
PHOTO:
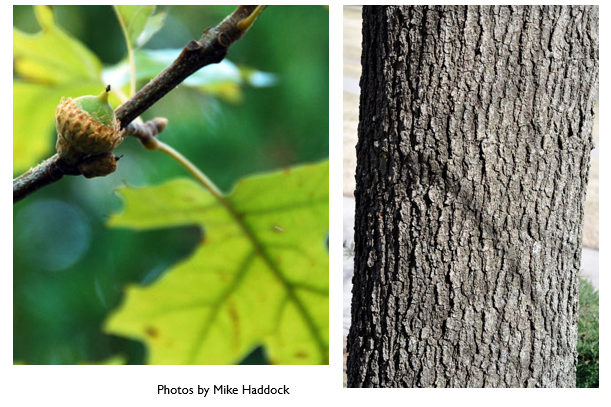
(261, 252)
(258, 251)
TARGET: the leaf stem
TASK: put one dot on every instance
(130, 54)
(196, 172)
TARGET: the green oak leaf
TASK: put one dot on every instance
(260, 276)
(153, 24)
(139, 23)
(47, 65)
(52, 56)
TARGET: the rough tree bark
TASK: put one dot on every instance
(473, 157)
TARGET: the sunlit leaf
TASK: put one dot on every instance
(133, 20)
(259, 277)
(51, 56)
(153, 24)
(47, 65)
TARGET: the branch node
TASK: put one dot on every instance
(223, 40)
(193, 46)
(160, 123)
(147, 132)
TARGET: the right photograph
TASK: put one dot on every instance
(471, 174)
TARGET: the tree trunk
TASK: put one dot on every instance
(473, 157)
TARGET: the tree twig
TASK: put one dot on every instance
(210, 49)
(53, 169)
(49, 171)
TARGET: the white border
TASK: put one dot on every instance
(118, 385)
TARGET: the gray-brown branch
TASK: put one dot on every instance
(210, 49)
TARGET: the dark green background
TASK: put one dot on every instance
(69, 268)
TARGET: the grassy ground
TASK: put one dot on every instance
(587, 346)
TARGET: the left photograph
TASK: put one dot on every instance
(170, 185)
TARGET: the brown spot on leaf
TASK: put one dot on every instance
(301, 355)
(235, 321)
(152, 332)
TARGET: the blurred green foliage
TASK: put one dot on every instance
(69, 268)
(587, 344)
